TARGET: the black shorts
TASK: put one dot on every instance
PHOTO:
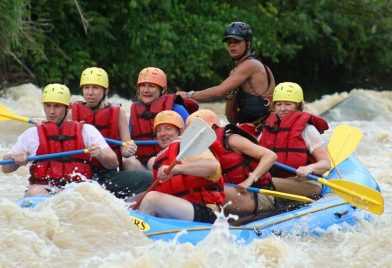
(202, 213)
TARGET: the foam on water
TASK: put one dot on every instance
(87, 227)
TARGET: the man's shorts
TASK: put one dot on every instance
(263, 202)
(203, 213)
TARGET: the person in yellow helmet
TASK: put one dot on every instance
(249, 87)
(111, 121)
(193, 189)
(56, 135)
(296, 138)
(109, 118)
(152, 87)
(243, 162)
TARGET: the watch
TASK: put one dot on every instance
(189, 94)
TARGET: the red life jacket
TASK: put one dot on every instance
(142, 121)
(60, 171)
(104, 119)
(284, 137)
(236, 167)
(192, 188)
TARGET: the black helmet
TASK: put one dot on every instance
(238, 30)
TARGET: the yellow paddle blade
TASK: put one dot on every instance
(6, 114)
(342, 144)
(294, 197)
(358, 195)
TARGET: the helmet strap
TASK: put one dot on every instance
(99, 103)
(247, 53)
(65, 115)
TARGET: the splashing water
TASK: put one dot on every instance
(85, 226)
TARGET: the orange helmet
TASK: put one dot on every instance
(168, 117)
(153, 75)
(207, 115)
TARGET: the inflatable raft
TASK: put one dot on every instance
(308, 218)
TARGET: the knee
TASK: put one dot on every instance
(132, 164)
(150, 202)
(36, 190)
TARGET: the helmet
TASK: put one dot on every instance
(95, 76)
(238, 30)
(288, 91)
(57, 93)
(153, 75)
(206, 115)
(168, 117)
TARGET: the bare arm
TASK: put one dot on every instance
(245, 70)
(20, 160)
(131, 147)
(321, 165)
(106, 156)
(203, 168)
(244, 146)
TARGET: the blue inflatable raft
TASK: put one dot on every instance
(309, 218)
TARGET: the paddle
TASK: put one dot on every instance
(197, 137)
(342, 144)
(46, 156)
(122, 143)
(6, 114)
(275, 193)
(354, 193)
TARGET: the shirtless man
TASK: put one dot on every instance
(249, 87)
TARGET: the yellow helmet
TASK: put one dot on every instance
(206, 115)
(94, 76)
(288, 91)
(153, 75)
(168, 117)
(57, 93)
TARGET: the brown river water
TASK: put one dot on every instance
(88, 227)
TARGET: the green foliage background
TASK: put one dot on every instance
(325, 45)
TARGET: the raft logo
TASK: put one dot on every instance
(142, 225)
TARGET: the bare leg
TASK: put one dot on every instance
(167, 206)
(132, 164)
(241, 203)
(36, 190)
(301, 187)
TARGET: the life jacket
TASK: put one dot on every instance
(284, 137)
(59, 171)
(236, 167)
(251, 108)
(104, 119)
(142, 121)
(195, 189)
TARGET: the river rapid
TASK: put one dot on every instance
(88, 227)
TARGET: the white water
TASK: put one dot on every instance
(87, 227)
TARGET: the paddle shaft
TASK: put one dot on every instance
(354, 193)
(47, 156)
(153, 185)
(142, 142)
(294, 197)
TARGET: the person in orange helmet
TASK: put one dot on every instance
(152, 98)
(193, 189)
